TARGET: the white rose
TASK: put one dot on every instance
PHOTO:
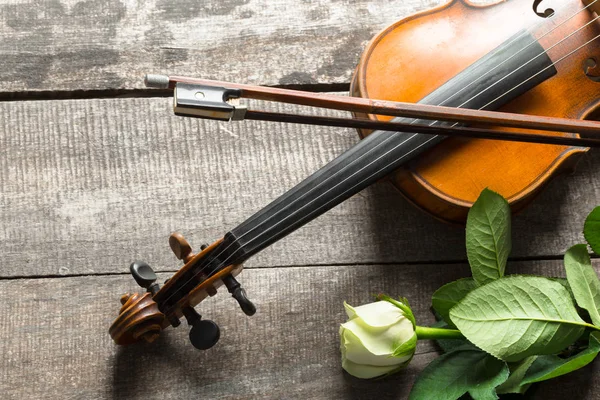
(377, 339)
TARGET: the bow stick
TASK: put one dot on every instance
(211, 99)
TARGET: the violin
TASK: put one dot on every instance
(447, 81)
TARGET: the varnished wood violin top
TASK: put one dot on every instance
(415, 56)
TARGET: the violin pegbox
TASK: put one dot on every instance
(205, 333)
(143, 316)
(183, 251)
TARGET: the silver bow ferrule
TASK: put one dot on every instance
(208, 102)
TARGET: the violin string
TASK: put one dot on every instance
(423, 144)
(443, 102)
(546, 68)
(306, 217)
(524, 32)
(411, 137)
(381, 169)
(461, 105)
(527, 63)
(362, 156)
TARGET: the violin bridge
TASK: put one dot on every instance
(208, 102)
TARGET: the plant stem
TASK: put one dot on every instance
(427, 333)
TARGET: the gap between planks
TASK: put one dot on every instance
(407, 263)
(274, 267)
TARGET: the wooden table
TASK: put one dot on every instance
(95, 172)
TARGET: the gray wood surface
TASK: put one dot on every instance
(55, 343)
(71, 44)
(89, 185)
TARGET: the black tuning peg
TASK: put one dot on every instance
(204, 333)
(144, 276)
(238, 293)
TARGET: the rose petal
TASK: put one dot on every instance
(365, 371)
(349, 311)
(380, 340)
(363, 347)
(378, 314)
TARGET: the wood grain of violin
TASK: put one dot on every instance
(518, 56)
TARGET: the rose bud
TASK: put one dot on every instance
(378, 339)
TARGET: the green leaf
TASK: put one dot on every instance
(519, 316)
(451, 375)
(565, 283)
(591, 230)
(488, 237)
(449, 295)
(448, 345)
(583, 280)
(514, 383)
(548, 367)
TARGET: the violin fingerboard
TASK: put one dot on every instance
(513, 68)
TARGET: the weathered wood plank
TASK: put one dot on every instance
(54, 331)
(86, 186)
(74, 44)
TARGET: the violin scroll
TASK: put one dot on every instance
(139, 319)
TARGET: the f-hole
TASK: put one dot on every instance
(592, 69)
(547, 13)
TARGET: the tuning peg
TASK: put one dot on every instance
(180, 247)
(204, 334)
(238, 293)
(144, 276)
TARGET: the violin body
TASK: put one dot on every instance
(415, 56)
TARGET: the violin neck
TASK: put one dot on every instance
(514, 67)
